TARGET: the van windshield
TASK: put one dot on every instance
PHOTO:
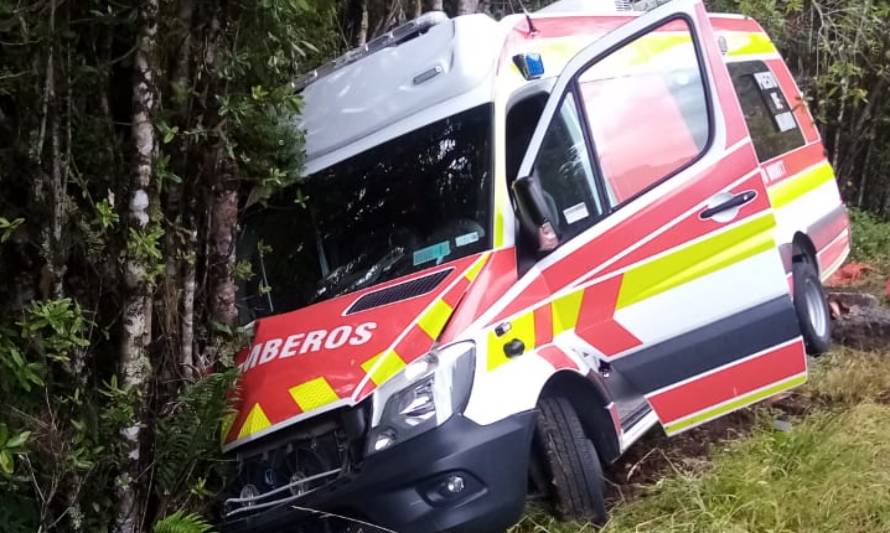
(411, 203)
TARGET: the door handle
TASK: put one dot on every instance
(732, 203)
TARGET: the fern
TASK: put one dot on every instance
(188, 441)
(179, 522)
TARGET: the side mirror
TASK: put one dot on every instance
(535, 214)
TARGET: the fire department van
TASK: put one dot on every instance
(521, 245)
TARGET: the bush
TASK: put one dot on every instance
(871, 237)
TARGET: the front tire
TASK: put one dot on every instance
(812, 308)
(571, 462)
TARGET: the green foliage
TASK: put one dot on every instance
(179, 522)
(144, 244)
(55, 328)
(871, 237)
(188, 459)
(8, 227)
(10, 446)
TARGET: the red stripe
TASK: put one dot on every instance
(556, 357)
(596, 324)
(731, 382)
(832, 253)
(693, 227)
(652, 217)
(798, 160)
(454, 294)
(735, 24)
(414, 344)
(543, 325)
(827, 231)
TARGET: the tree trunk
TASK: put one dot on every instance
(187, 320)
(223, 222)
(467, 7)
(135, 364)
(432, 5)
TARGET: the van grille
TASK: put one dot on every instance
(402, 291)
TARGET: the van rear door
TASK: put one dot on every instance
(667, 271)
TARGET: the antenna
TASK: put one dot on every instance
(532, 30)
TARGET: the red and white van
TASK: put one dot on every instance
(521, 245)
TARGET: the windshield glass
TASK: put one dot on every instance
(408, 204)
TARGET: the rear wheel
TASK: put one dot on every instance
(571, 464)
(812, 308)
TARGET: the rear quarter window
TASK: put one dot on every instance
(771, 123)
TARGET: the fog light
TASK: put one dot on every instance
(249, 493)
(384, 440)
(453, 485)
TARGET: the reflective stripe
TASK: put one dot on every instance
(565, 312)
(256, 421)
(388, 364)
(522, 328)
(732, 405)
(498, 228)
(696, 260)
(748, 43)
(435, 318)
(476, 267)
(313, 394)
(793, 188)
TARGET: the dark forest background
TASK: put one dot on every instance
(132, 134)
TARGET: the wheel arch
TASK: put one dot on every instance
(803, 249)
(591, 402)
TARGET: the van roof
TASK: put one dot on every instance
(403, 81)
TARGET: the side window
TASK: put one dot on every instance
(563, 168)
(770, 119)
(646, 106)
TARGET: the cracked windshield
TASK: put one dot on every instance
(411, 203)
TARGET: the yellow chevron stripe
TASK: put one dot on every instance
(476, 267)
(738, 403)
(390, 365)
(498, 227)
(256, 421)
(794, 187)
(435, 318)
(741, 43)
(565, 311)
(696, 260)
(522, 328)
(313, 394)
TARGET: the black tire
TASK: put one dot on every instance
(812, 308)
(571, 462)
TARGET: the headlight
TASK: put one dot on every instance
(424, 395)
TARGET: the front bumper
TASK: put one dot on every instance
(399, 489)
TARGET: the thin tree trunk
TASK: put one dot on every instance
(187, 320)
(467, 7)
(224, 218)
(135, 364)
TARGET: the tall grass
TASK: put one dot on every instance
(830, 472)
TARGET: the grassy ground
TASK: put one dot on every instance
(824, 466)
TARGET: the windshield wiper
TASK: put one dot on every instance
(342, 281)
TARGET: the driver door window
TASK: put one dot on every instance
(563, 168)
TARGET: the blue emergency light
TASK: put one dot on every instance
(530, 65)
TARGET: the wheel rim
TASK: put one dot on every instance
(816, 309)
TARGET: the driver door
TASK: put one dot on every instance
(667, 275)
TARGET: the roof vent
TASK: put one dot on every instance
(397, 293)
(394, 37)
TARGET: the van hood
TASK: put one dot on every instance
(335, 353)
